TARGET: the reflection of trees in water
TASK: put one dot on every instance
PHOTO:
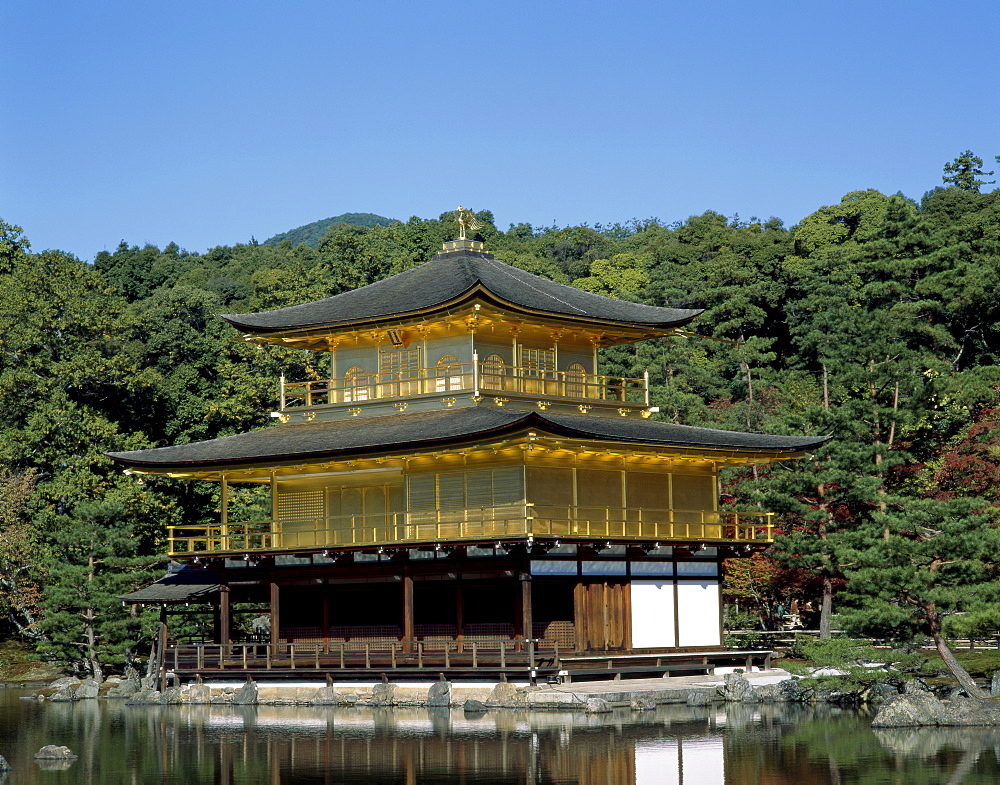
(771, 744)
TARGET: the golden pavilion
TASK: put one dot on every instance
(462, 491)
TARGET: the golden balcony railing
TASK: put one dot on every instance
(507, 522)
(463, 377)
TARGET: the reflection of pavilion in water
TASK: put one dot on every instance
(738, 744)
(673, 745)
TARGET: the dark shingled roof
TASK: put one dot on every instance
(332, 439)
(185, 585)
(449, 278)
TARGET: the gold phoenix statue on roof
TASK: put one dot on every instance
(466, 220)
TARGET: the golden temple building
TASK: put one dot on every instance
(463, 491)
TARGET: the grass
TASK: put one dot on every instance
(18, 663)
(981, 664)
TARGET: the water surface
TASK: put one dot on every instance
(734, 744)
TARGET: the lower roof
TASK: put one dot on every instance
(421, 430)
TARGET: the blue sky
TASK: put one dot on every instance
(206, 123)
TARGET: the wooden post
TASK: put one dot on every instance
(326, 617)
(525, 603)
(459, 614)
(275, 615)
(224, 512)
(408, 612)
(580, 615)
(222, 633)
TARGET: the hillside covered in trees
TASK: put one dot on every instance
(312, 233)
(875, 319)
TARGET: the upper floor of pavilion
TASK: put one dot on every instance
(462, 329)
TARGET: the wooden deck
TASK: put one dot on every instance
(533, 660)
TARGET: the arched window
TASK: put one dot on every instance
(449, 374)
(494, 369)
(576, 381)
(357, 384)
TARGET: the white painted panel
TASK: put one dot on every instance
(698, 613)
(653, 614)
(657, 763)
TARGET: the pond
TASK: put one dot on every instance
(725, 744)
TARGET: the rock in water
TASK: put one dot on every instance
(699, 697)
(143, 697)
(4, 765)
(246, 695)
(171, 695)
(125, 689)
(63, 695)
(597, 706)
(911, 708)
(199, 693)
(54, 752)
(325, 696)
(963, 711)
(506, 696)
(474, 706)
(383, 694)
(439, 694)
(793, 691)
(87, 689)
(736, 688)
(642, 704)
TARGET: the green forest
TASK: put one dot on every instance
(875, 319)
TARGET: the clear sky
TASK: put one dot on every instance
(208, 122)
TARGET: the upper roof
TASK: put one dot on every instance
(451, 278)
(389, 433)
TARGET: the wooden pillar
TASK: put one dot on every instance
(525, 605)
(326, 614)
(223, 619)
(580, 626)
(275, 615)
(224, 512)
(459, 612)
(627, 616)
(408, 612)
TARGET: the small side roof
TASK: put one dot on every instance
(451, 278)
(398, 432)
(184, 585)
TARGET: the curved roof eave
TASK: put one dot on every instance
(479, 291)
(448, 280)
(389, 434)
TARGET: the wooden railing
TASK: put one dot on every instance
(346, 656)
(463, 377)
(475, 524)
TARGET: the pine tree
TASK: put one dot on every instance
(95, 559)
(917, 562)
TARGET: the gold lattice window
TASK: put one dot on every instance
(357, 384)
(537, 364)
(494, 369)
(399, 372)
(449, 374)
(576, 381)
